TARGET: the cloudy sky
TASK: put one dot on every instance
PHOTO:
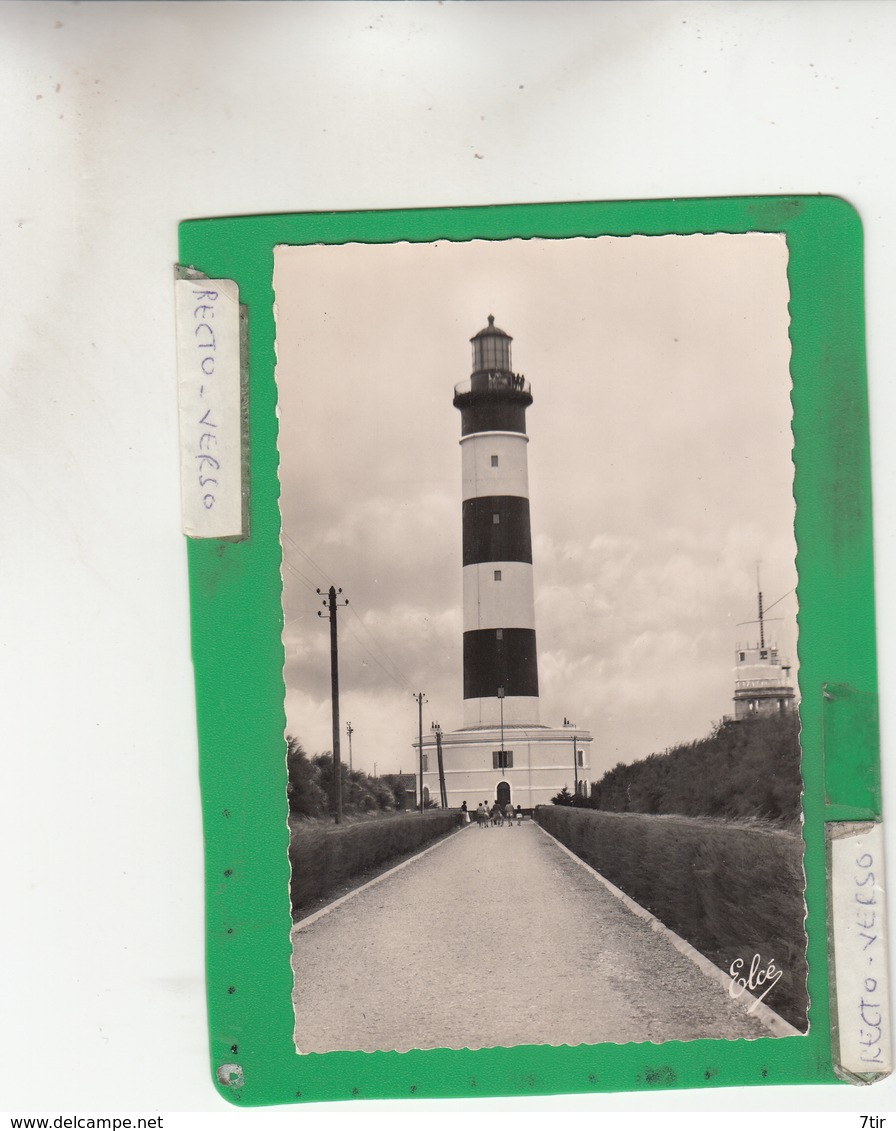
(659, 466)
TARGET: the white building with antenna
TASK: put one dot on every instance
(762, 684)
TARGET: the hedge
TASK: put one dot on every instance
(322, 857)
(730, 889)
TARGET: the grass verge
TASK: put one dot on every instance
(328, 860)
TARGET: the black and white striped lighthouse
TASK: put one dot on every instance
(502, 753)
(499, 656)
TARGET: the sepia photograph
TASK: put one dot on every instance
(540, 639)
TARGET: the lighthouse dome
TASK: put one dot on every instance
(491, 329)
(491, 349)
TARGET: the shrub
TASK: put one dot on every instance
(743, 769)
(731, 889)
(324, 856)
(402, 799)
(303, 788)
(310, 784)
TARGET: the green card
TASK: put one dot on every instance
(533, 630)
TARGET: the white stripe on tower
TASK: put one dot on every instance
(499, 605)
(507, 605)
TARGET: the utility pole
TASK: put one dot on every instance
(349, 730)
(502, 757)
(443, 792)
(332, 604)
(420, 697)
(575, 756)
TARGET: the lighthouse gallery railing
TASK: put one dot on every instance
(495, 381)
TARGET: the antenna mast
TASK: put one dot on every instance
(761, 623)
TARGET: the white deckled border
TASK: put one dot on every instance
(303, 923)
(758, 1009)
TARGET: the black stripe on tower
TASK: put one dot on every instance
(503, 657)
(491, 414)
(496, 529)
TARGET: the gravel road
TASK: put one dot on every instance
(497, 937)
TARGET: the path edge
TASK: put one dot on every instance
(763, 1013)
(297, 928)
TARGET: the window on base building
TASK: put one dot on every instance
(494, 461)
(497, 575)
(502, 759)
(425, 763)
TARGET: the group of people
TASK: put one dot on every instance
(495, 815)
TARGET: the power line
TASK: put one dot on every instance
(380, 646)
(306, 581)
(295, 568)
(403, 680)
(307, 556)
(398, 683)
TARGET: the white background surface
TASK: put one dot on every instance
(119, 120)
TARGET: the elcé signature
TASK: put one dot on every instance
(754, 979)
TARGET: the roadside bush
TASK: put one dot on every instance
(303, 788)
(324, 856)
(731, 889)
(310, 785)
(743, 769)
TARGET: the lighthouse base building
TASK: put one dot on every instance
(537, 762)
(502, 753)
